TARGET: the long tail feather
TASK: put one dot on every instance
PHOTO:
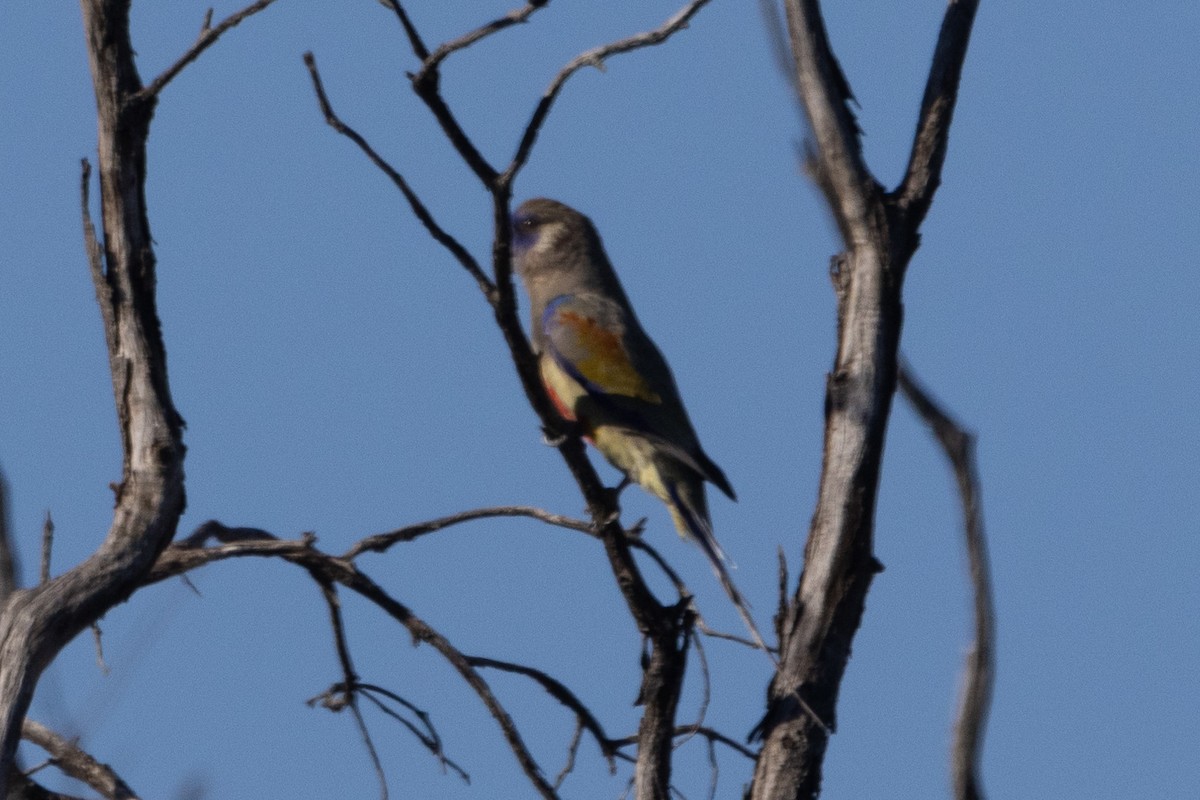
(688, 505)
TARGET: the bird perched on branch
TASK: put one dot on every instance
(602, 371)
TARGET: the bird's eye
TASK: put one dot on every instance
(527, 223)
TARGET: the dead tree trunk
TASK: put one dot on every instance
(880, 232)
(36, 623)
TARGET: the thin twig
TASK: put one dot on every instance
(560, 693)
(515, 17)
(703, 732)
(428, 737)
(349, 676)
(638, 543)
(714, 767)
(410, 30)
(426, 84)
(979, 669)
(777, 38)
(376, 762)
(667, 627)
(9, 571)
(781, 612)
(572, 751)
(91, 246)
(47, 547)
(713, 633)
(593, 58)
(190, 554)
(419, 209)
(380, 542)
(74, 762)
(98, 640)
(706, 683)
(208, 36)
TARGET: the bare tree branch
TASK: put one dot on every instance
(9, 571)
(380, 542)
(428, 737)
(703, 627)
(98, 642)
(924, 171)
(593, 58)
(94, 253)
(47, 547)
(349, 677)
(777, 39)
(208, 37)
(562, 694)
(666, 627)
(191, 553)
(36, 623)
(706, 688)
(818, 625)
(418, 207)
(22, 787)
(427, 84)
(572, 752)
(434, 60)
(825, 95)
(410, 30)
(703, 732)
(73, 761)
(979, 670)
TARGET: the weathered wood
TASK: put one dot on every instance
(36, 623)
(880, 231)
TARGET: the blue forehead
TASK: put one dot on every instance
(524, 234)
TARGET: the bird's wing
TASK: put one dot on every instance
(586, 338)
(622, 379)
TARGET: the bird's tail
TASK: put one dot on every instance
(689, 510)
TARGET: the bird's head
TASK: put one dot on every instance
(544, 231)
(556, 250)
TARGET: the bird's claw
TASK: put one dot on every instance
(552, 438)
(611, 516)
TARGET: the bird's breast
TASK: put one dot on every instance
(564, 390)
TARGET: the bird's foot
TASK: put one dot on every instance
(552, 438)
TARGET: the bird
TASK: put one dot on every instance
(602, 371)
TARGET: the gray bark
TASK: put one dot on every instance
(36, 623)
(880, 233)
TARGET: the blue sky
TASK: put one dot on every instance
(341, 374)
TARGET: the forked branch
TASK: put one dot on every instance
(419, 209)
(328, 569)
(818, 624)
(207, 38)
(69, 757)
(593, 58)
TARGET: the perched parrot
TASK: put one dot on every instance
(602, 370)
